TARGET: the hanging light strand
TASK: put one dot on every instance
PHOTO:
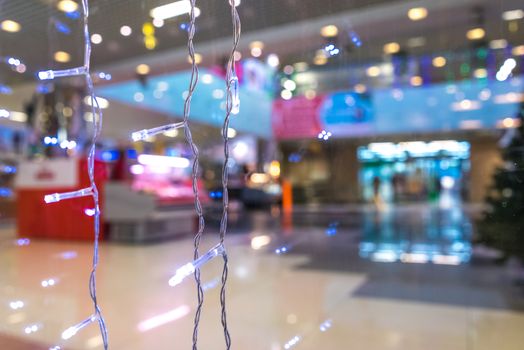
(232, 107)
(97, 126)
(195, 169)
(92, 190)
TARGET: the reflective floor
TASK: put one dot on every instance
(326, 278)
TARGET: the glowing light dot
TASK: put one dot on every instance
(329, 31)
(96, 39)
(417, 13)
(126, 30)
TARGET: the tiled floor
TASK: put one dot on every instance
(318, 294)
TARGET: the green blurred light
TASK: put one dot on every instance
(465, 69)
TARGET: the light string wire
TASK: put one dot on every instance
(97, 126)
(92, 190)
(195, 169)
(231, 102)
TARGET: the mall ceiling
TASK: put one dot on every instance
(289, 28)
(40, 20)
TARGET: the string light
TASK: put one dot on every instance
(71, 331)
(57, 197)
(52, 74)
(190, 268)
(92, 190)
(146, 133)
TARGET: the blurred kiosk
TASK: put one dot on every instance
(68, 219)
(139, 216)
(128, 214)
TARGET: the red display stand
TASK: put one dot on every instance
(66, 220)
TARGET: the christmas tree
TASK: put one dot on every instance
(502, 225)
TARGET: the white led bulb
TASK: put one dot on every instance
(235, 94)
(51, 74)
(144, 134)
(57, 197)
(71, 331)
(189, 268)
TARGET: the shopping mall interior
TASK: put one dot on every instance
(261, 174)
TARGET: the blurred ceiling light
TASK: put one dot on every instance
(207, 78)
(237, 55)
(148, 29)
(480, 73)
(466, 105)
(138, 97)
(231, 133)
(290, 85)
(416, 80)
(310, 94)
(288, 69)
(373, 71)
(498, 44)
(10, 26)
(257, 43)
(62, 57)
(475, 34)
(237, 2)
(256, 48)
(417, 13)
(518, 50)
(360, 88)
(158, 22)
(150, 42)
(416, 42)
(301, 66)
(126, 30)
(329, 31)
(174, 9)
(102, 102)
(96, 39)
(508, 122)
(198, 58)
(391, 48)
(485, 94)
(286, 94)
(67, 6)
(513, 15)
(67, 111)
(142, 69)
(273, 60)
(439, 61)
(320, 60)
(256, 52)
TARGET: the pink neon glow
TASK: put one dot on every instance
(163, 161)
(137, 169)
(162, 319)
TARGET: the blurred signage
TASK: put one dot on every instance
(51, 173)
(347, 113)
(464, 105)
(297, 118)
